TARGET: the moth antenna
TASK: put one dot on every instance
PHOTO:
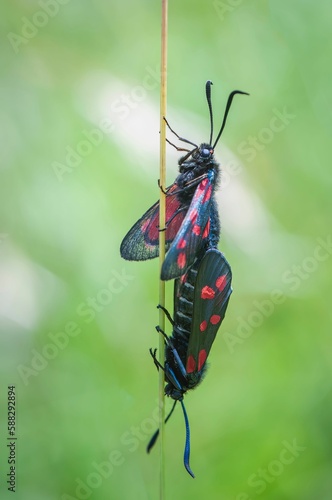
(156, 434)
(208, 98)
(186, 456)
(228, 105)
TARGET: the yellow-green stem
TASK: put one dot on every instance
(162, 215)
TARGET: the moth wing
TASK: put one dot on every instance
(142, 240)
(194, 229)
(211, 296)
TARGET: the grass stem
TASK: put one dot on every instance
(162, 219)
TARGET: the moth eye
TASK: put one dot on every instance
(205, 153)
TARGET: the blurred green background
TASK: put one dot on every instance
(80, 138)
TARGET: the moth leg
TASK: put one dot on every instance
(159, 330)
(181, 209)
(177, 135)
(169, 317)
(167, 223)
(194, 182)
(161, 188)
(177, 148)
(169, 342)
(189, 185)
(153, 353)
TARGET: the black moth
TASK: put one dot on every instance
(190, 208)
(200, 301)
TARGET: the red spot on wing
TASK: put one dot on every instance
(221, 282)
(174, 218)
(182, 243)
(206, 229)
(193, 215)
(191, 364)
(196, 229)
(203, 326)
(152, 226)
(207, 293)
(172, 228)
(181, 260)
(207, 195)
(215, 318)
(201, 359)
(201, 187)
